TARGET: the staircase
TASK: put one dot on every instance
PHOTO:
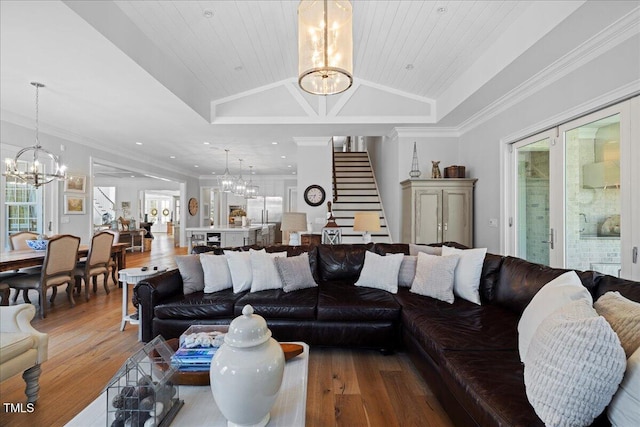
(356, 191)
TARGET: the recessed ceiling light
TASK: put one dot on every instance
(133, 176)
(213, 173)
(208, 13)
(409, 67)
(196, 166)
(442, 10)
(274, 143)
(293, 173)
(138, 143)
(288, 166)
(206, 143)
(172, 157)
(283, 157)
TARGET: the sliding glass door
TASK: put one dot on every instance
(576, 195)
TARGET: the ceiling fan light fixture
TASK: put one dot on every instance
(325, 46)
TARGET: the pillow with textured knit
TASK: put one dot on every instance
(380, 272)
(407, 271)
(573, 366)
(624, 409)
(295, 272)
(434, 276)
(563, 289)
(191, 272)
(624, 317)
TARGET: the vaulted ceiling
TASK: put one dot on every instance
(187, 79)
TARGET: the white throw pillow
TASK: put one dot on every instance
(431, 250)
(434, 276)
(563, 289)
(380, 272)
(216, 273)
(264, 271)
(407, 271)
(624, 317)
(573, 366)
(240, 268)
(467, 277)
(624, 409)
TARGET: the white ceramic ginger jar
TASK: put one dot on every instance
(246, 371)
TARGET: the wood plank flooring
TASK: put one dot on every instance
(346, 387)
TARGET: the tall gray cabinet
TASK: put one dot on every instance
(437, 210)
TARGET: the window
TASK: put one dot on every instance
(23, 207)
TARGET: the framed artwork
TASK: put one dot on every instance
(74, 205)
(75, 184)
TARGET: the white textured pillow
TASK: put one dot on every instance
(216, 273)
(624, 409)
(563, 289)
(295, 272)
(240, 268)
(573, 366)
(624, 317)
(407, 271)
(467, 277)
(434, 276)
(431, 250)
(380, 272)
(264, 271)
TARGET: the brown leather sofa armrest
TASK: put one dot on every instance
(152, 292)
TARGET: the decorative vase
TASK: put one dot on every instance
(246, 371)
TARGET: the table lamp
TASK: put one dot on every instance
(366, 222)
(294, 222)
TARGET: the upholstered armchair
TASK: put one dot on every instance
(22, 348)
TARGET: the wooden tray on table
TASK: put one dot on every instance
(202, 378)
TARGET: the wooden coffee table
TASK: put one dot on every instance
(201, 410)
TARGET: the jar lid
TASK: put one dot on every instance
(247, 330)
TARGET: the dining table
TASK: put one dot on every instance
(14, 260)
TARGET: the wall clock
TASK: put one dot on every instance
(193, 206)
(314, 195)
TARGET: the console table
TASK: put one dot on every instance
(201, 410)
(135, 238)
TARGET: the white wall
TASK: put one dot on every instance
(315, 167)
(480, 148)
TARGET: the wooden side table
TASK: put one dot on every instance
(5, 292)
(310, 239)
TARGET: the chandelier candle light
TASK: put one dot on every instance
(240, 185)
(225, 181)
(325, 46)
(251, 191)
(36, 159)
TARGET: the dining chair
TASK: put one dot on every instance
(97, 263)
(112, 262)
(57, 269)
(18, 241)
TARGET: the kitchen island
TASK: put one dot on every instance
(223, 237)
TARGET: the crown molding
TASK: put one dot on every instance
(422, 132)
(618, 32)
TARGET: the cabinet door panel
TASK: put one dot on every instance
(457, 216)
(428, 216)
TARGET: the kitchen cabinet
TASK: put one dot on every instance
(221, 237)
(437, 210)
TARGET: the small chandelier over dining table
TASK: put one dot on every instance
(325, 46)
(30, 163)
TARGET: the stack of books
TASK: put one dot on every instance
(193, 359)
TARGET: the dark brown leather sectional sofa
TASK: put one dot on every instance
(467, 353)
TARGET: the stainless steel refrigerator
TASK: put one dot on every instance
(266, 210)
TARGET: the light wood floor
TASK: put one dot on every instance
(346, 387)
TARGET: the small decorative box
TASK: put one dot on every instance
(142, 393)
